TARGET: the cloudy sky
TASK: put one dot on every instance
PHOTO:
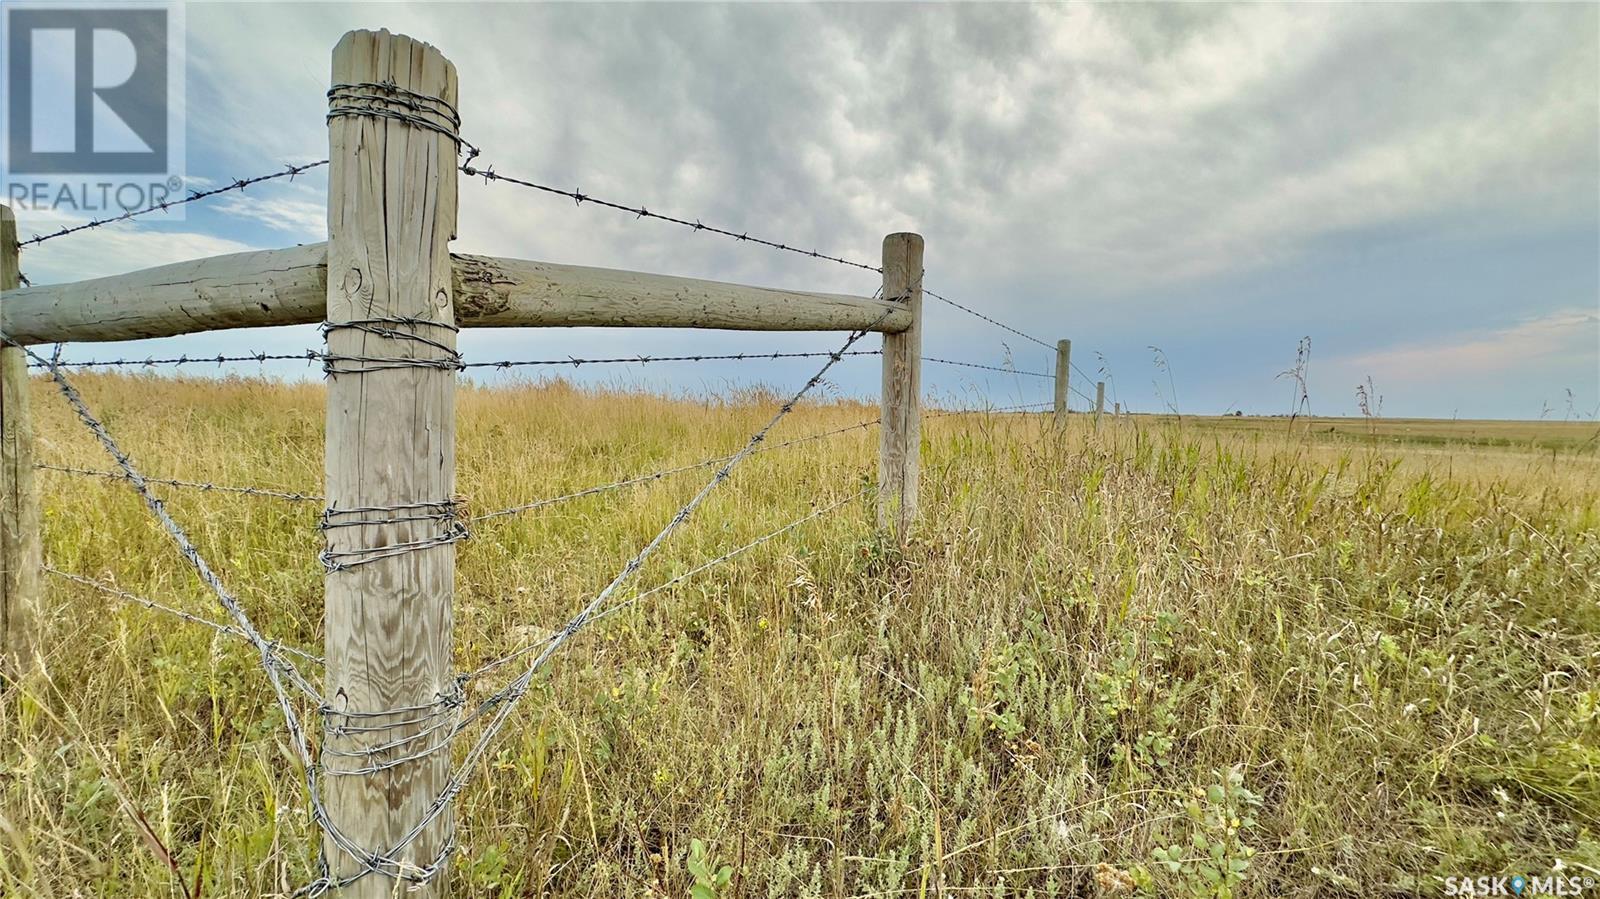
(1416, 187)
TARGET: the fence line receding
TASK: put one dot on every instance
(379, 778)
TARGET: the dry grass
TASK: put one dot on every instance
(1579, 437)
(1348, 666)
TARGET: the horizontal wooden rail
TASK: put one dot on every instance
(289, 287)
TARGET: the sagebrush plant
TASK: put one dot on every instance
(1390, 646)
(1214, 861)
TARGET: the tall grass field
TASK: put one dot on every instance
(1139, 657)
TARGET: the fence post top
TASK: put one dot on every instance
(910, 237)
(395, 43)
(382, 34)
(6, 215)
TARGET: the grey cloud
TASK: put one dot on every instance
(1112, 152)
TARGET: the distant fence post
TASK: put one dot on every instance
(1099, 398)
(900, 437)
(390, 454)
(1063, 374)
(20, 549)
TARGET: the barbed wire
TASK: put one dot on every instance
(523, 650)
(986, 410)
(1086, 375)
(658, 475)
(207, 487)
(312, 356)
(505, 701)
(358, 101)
(273, 663)
(999, 324)
(1086, 398)
(302, 356)
(277, 667)
(579, 198)
(634, 480)
(289, 172)
(151, 604)
(191, 485)
(1001, 369)
(645, 359)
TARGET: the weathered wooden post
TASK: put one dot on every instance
(20, 548)
(1099, 398)
(900, 446)
(1063, 374)
(390, 452)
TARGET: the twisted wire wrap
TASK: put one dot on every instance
(387, 100)
(393, 328)
(445, 513)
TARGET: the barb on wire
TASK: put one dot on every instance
(639, 212)
(658, 475)
(191, 485)
(998, 368)
(303, 356)
(219, 627)
(505, 701)
(523, 650)
(237, 184)
(998, 324)
(24, 280)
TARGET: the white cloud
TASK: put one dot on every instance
(304, 217)
(1569, 339)
(117, 249)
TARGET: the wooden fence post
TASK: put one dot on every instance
(1063, 376)
(900, 438)
(390, 450)
(1099, 398)
(20, 547)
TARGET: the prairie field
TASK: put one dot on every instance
(1144, 657)
(1448, 435)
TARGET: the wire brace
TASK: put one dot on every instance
(240, 184)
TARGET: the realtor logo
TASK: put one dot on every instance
(93, 98)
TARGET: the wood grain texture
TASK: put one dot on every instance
(20, 546)
(900, 436)
(290, 287)
(390, 441)
(239, 290)
(504, 293)
(1099, 397)
(1063, 377)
